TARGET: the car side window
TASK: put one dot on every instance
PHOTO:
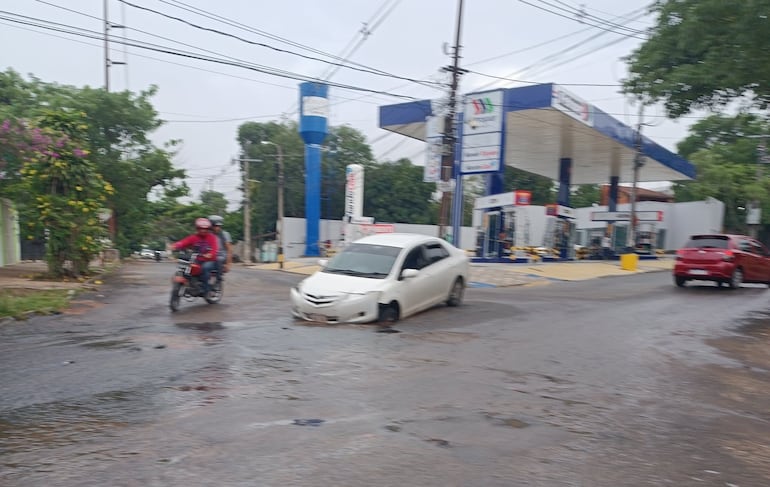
(414, 259)
(758, 248)
(435, 252)
(744, 245)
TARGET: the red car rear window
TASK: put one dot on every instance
(708, 242)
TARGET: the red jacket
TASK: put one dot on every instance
(203, 245)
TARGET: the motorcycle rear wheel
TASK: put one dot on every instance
(215, 295)
(176, 291)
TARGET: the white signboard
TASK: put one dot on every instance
(625, 216)
(354, 190)
(482, 132)
(315, 106)
(495, 200)
(565, 211)
(434, 150)
(572, 105)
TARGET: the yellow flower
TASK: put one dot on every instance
(85, 209)
(30, 237)
(79, 188)
(72, 202)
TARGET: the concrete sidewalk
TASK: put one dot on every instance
(505, 275)
(26, 275)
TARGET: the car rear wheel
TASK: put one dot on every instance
(737, 278)
(680, 281)
(456, 294)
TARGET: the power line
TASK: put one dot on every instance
(212, 16)
(540, 82)
(580, 14)
(376, 72)
(545, 43)
(166, 50)
(598, 26)
(220, 120)
(543, 64)
(368, 29)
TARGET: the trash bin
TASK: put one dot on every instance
(628, 262)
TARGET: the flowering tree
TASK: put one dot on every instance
(47, 168)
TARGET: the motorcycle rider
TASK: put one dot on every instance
(205, 244)
(225, 253)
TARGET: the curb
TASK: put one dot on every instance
(88, 285)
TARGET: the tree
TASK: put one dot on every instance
(704, 54)
(117, 134)
(394, 192)
(59, 188)
(727, 166)
(213, 202)
(586, 195)
(541, 186)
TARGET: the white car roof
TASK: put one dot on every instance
(396, 239)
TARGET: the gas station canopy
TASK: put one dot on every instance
(545, 123)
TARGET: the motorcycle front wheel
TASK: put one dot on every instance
(176, 293)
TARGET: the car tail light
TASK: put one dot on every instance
(728, 256)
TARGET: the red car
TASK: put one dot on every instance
(724, 259)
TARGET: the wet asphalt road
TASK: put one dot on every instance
(618, 381)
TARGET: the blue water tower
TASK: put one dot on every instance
(313, 127)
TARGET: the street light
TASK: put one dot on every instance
(279, 222)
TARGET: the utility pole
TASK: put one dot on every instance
(449, 139)
(638, 163)
(279, 222)
(247, 203)
(107, 61)
(754, 208)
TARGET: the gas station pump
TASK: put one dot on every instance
(563, 231)
(565, 238)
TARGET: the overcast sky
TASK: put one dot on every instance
(200, 100)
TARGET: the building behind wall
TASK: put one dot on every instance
(642, 194)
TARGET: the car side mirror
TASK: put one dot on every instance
(323, 262)
(409, 273)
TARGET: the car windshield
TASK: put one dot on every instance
(364, 260)
(707, 242)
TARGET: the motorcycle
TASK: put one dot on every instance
(187, 282)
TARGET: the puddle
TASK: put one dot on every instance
(206, 326)
(105, 344)
(308, 422)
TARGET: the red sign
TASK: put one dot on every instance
(552, 210)
(522, 198)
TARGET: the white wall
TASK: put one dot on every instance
(680, 220)
(10, 245)
(694, 217)
(294, 234)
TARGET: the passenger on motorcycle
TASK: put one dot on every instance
(205, 244)
(225, 242)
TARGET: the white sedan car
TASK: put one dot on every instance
(383, 277)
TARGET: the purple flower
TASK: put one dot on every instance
(78, 152)
(6, 125)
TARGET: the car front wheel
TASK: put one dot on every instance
(680, 281)
(388, 313)
(456, 293)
